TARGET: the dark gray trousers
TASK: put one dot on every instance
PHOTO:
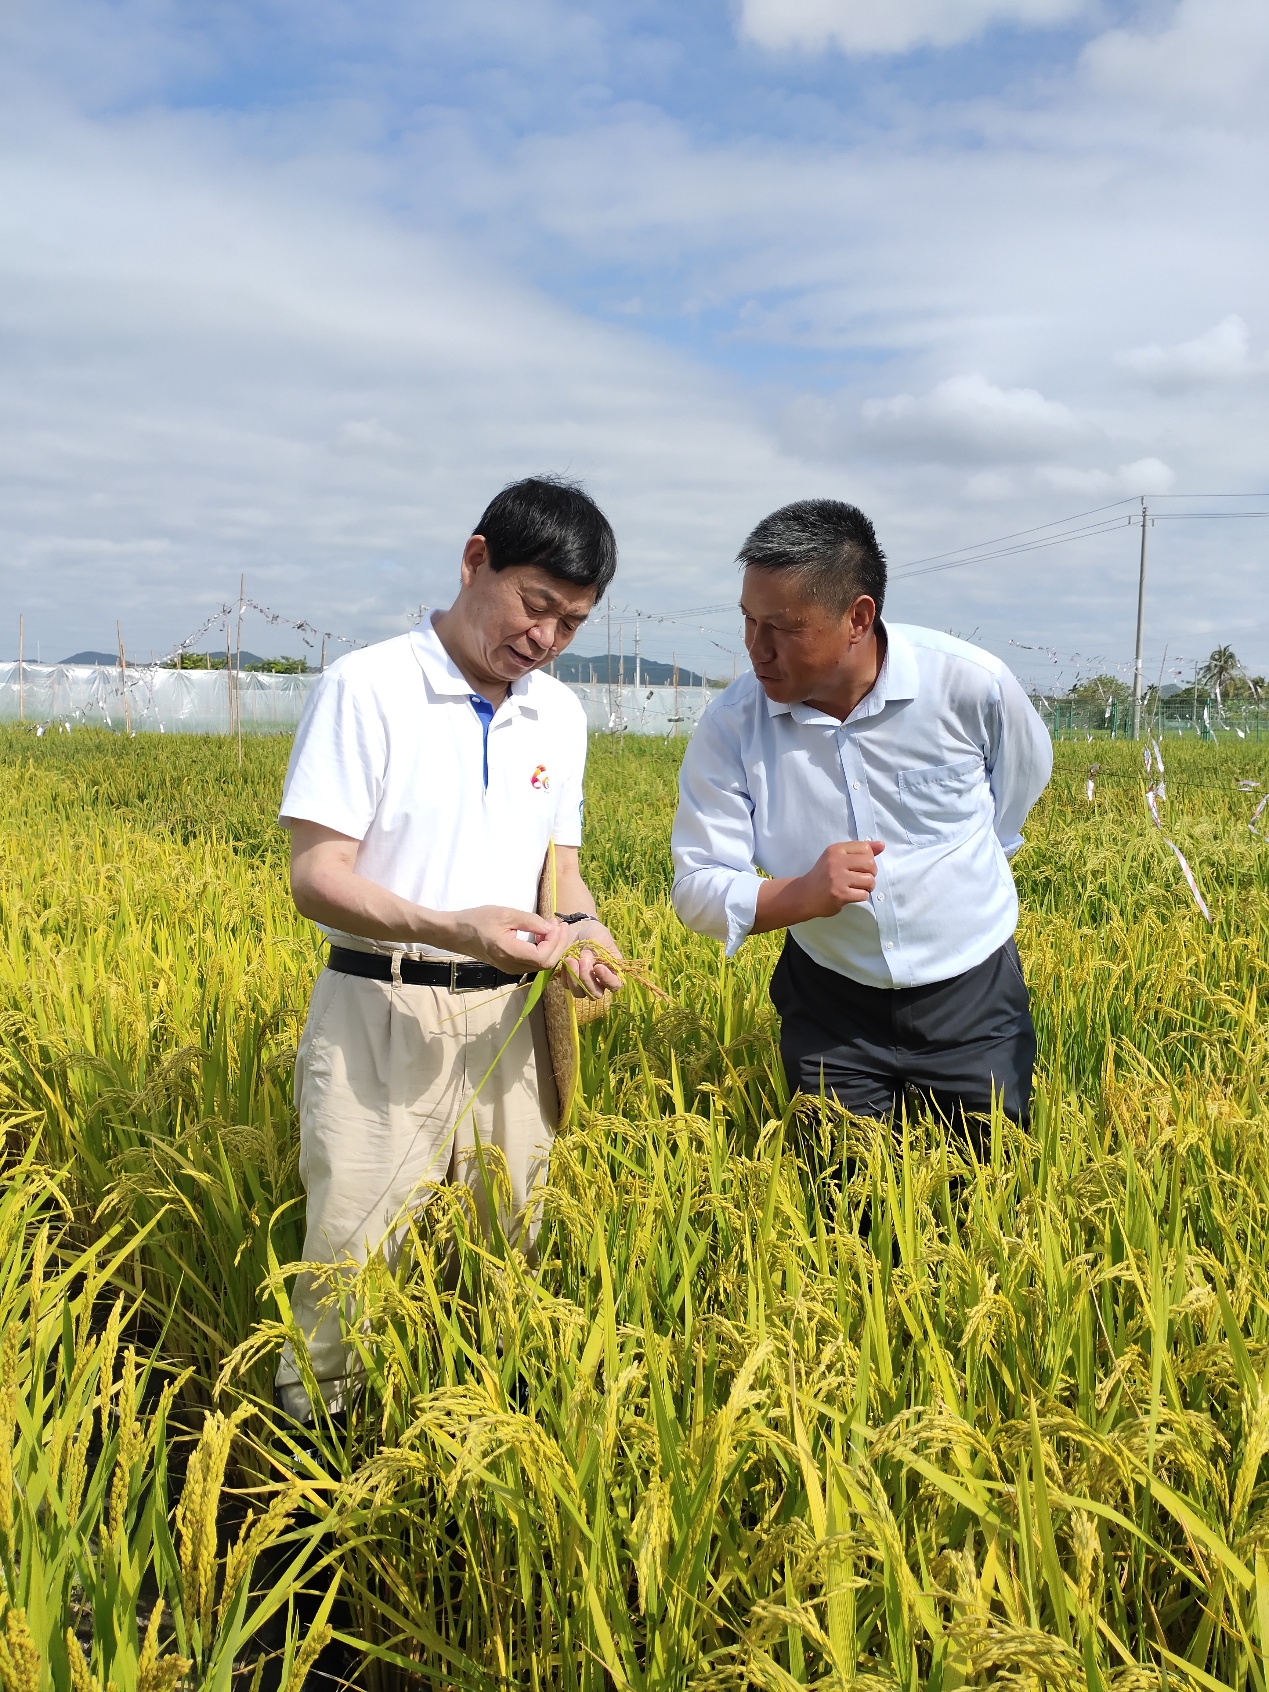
(949, 1042)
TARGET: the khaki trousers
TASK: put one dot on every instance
(383, 1075)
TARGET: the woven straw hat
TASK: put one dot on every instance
(564, 1010)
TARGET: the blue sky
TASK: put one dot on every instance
(290, 290)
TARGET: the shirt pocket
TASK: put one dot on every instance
(939, 804)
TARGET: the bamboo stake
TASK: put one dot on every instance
(242, 591)
(123, 678)
(229, 676)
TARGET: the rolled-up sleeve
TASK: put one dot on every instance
(715, 883)
(1019, 760)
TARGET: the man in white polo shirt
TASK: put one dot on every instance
(880, 775)
(428, 776)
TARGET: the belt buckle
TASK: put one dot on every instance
(453, 976)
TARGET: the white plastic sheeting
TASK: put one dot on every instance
(148, 698)
(642, 710)
(154, 700)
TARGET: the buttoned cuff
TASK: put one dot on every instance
(741, 908)
(1009, 847)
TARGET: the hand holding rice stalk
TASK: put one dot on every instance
(567, 1006)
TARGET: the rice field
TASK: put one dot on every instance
(785, 1403)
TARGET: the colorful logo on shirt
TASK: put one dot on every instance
(539, 778)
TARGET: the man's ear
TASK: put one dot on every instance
(475, 559)
(860, 616)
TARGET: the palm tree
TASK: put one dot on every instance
(1222, 667)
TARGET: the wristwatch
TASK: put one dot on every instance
(575, 916)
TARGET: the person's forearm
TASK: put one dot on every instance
(781, 904)
(571, 895)
(571, 892)
(843, 874)
(340, 898)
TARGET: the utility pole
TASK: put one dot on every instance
(610, 660)
(638, 678)
(1141, 623)
(21, 668)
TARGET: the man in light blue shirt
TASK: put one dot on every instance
(880, 775)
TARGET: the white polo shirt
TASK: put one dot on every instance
(391, 751)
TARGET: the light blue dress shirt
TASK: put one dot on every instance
(942, 760)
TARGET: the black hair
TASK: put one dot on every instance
(830, 547)
(554, 523)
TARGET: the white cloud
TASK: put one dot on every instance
(368, 435)
(890, 26)
(1208, 58)
(951, 289)
(991, 487)
(304, 340)
(1142, 476)
(216, 365)
(967, 417)
(1221, 354)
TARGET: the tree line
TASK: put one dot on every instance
(1220, 680)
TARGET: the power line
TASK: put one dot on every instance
(691, 611)
(986, 551)
(1057, 522)
(980, 554)
(907, 572)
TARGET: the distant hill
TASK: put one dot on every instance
(570, 667)
(190, 661)
(249, 661)
(577, 667)
(199, 660)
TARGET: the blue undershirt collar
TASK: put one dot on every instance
(485, 711)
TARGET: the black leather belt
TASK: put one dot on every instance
(421, 972)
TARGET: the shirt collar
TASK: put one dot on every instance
(445, 678)
(898, 678)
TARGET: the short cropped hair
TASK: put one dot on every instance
(830, 549)
(554, 523)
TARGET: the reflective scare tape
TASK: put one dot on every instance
(1255, 818)
(1189, 876)
(1153, 795)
